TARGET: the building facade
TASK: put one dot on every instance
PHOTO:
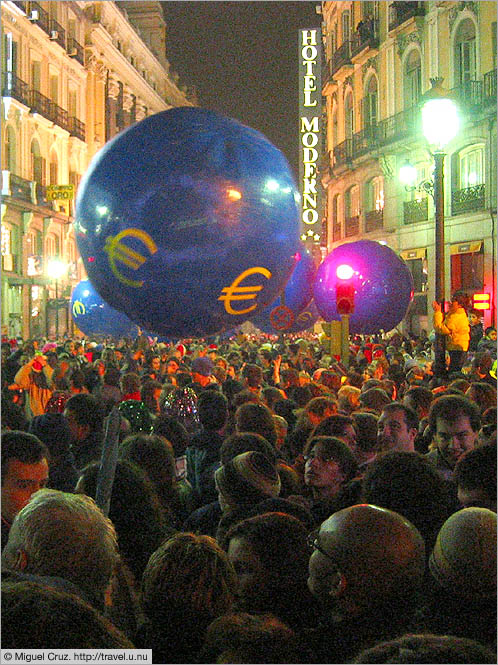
(379, 60)
(74, 74)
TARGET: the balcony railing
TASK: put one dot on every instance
(38, 15)
(489, 85)
(13, 86)
(366, 37)
(20, 188)
(364, 140)
(374, 220)
(343, 153)
(47, 108)
(76, 128)
(75, 50)
(22, 5)
(352, 226)
(468, 199)
(399, 12)
(415, 211)
(57, 33)
(399, 126)
(340, 57)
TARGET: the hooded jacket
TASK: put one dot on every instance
(456, 326)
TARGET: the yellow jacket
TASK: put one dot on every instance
(456, 327)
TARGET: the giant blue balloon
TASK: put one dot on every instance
(281, 315)
(94, 316)
(383, 286)
(188, 222)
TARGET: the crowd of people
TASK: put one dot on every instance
(268, 504)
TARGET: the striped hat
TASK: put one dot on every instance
(248, 478)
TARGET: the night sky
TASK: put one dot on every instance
(242, 58)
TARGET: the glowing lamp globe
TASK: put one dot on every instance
(188, 222)
(383, 286)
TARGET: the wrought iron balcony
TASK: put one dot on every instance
(76, 128)
(468, 199)
(343, 153)
(351, 226)
(399, 12)
(47, 108)
(22, 5)
(399, 126)
(57, 33)
(38, 15)
(75, 50)
(415, 211)
(364, 141)
(13, 86)
(374, 220)
(340, 57)
(365, 38)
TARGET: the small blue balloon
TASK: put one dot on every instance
(188, 222)
(298, 293)
(93, 316)
(383, 286)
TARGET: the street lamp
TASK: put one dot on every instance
(440, 124)
(56, 268)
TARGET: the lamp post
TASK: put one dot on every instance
(440, 125)
(56, 268)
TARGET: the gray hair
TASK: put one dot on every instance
(65, 535)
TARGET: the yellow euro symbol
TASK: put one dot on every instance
(236, 292)
(78, 308)
(119, 252)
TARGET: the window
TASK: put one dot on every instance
(346, 27)
(348, 116)
(37, 163)
(418, 269)
(465, 53)
(54, 170)
(470, 171)
(54, 88)
(352, 202)
(412, 79)
(72, 103)
(336, 222)
(10, 152)
(36, 75)
(370, 103)
(374, 194)
(51, 245)
(334, 127)
(467, 268)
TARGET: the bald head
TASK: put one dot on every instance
(369, 556)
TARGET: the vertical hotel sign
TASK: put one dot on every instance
(310, 111)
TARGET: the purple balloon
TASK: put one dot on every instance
(298, 294)
(383, 286)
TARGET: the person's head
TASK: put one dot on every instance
(455, 421)
(397, 427)
(173, 431)
(246, 479)
(64, 535)
(252, 376)
(339, 426)
(490, 333)
(257, 418)
(329, 463)
(202, 369)
(458, 299)
(463, 560)
(130, 383)
(212, 410)
(487, 433)
(153, 455)
(84, 415)
(236, 444)
(475, 476)
(188, 581)
(365, 424)
(410, 485)
(25, 468)
(367, 559)
(270, 557)
(319, 408)
(375, 399)
(112, 377)
(53, 430)
(419, 398)
(348, 398)
(56, 617)
(249, 638)
(427, 648)
(483, 394)
(134, 511)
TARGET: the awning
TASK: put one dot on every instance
(410, 254)
(466, 247)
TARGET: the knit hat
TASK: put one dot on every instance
(247, 478)
(137, 414)
(203, 366)
(464, 557)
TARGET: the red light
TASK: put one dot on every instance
(297, 256)
(91, 259)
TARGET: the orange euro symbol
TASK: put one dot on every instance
(118, 252)
(236, 292)
(78, 308)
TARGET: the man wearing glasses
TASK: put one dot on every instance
(366, 568)
(455, 422)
